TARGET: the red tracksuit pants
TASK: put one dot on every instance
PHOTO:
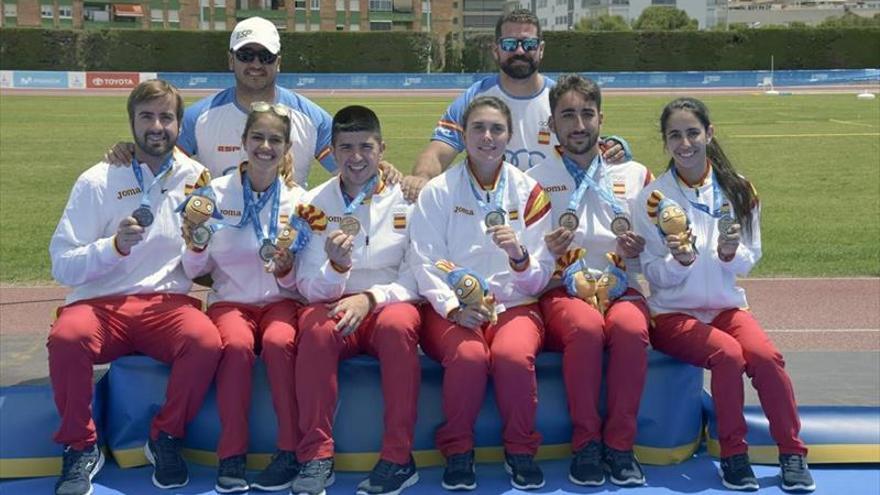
(581, 333)
(507, 351)
(246, 331)
(389, 334)
(168, 327)
(734, 342)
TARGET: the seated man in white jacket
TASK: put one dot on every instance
(361, 292)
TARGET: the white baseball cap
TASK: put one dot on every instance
(255, 30)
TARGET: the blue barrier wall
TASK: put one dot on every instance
(611, 80)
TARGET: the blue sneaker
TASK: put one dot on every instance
(169, 468)
(388, 478)
(231, 475)
(77, 470)
(279, 474)
(460, 473)
(525, 473)
(736, 473)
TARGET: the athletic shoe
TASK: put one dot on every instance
(313, 477)
(460, 473)
(231, 475)
(169, 468)
(525, 473)
(77, 470)
(736, 473)
(279, 474)
(795, 473)
(586, 466)
(388, 478)
(623, 467)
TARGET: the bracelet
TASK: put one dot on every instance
(519, 261)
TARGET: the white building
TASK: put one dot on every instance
(558, 15)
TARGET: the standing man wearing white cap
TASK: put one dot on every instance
(212, 127)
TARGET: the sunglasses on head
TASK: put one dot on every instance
(246, 55)
(263, 106)
(510, 44)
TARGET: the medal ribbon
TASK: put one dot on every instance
(252, 209)
(717, 197)
(492, 205)
(139, 176)
(352, 204)
(585, 180)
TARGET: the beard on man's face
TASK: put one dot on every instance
(519, 67)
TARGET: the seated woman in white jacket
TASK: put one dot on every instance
(700, 315)
(486, 216)
(253, 300)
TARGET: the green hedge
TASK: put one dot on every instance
(193, 51)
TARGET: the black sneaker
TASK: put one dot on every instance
(77, 470)
(525, 473)
(623, 467)
(313, 477)
(460, 473)
(736, 473)
(586, 466)
(231, 475)
(795, 473)
(169, 468)
(279, 474)
(388, 478)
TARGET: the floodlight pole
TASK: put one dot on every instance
(430, 38)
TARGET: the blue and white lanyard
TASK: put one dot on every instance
(139, 176)
(584, 181)
(252, 209)
(493, 196)
(352, 204)
(717, 197)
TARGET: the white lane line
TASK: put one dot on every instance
(847, 122)
(774, 136)
(828, 330)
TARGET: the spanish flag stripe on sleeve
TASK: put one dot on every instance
(649, 177)
(450, 125)
(323, 153)
(537, 205)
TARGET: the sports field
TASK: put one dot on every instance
(814, 159)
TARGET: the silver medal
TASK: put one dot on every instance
(201, 235)
(725, 223)
(494, 217)
(143, 216)
(350, 225)
(620, 224)
(267, 251)
(569, 221)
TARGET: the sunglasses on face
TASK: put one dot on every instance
(247, 56)
(511, 44)
(262, 106)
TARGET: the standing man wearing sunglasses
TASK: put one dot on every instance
(212, 127)
(518, 51)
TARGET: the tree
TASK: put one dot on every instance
(602, 22)
(849, 19)
(664, 18)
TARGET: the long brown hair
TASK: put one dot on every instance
(735, 187)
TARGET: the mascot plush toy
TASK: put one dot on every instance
(298, 231)
(580, 280)
(670, 219)
(613, 282)
(469, 287)
(199, 207)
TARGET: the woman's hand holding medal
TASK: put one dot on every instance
(681, 247)
(728, 242)
(505, 238)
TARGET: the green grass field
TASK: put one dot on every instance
(815, 160)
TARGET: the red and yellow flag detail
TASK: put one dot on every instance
(448, 124)
(283, 219)
(543, 137)
(513, 214)
(566, 259)
(399, 221)
(619, 188)
(314, 216)
(653, 203)
(649, 177)
(323, 153)
(445, 266)
(537, 205)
